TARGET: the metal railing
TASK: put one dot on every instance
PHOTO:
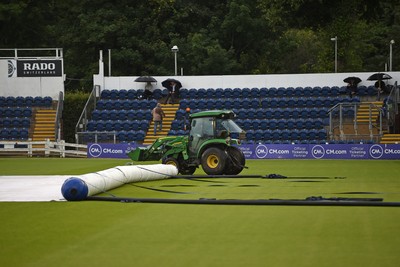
(87, 112)
(60, 107)
(31, 53)
(46, 148)
(345, 114)
(391, 107)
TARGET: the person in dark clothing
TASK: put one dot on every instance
(380, 87)
(352, 89)
(173, 92)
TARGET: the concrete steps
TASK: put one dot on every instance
(363, 112)
(170, 111)
(44, 125)
(390, 139)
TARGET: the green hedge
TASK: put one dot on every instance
(74, 102)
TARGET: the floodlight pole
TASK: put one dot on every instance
(335, 40)
(391, 55)
(175, 50)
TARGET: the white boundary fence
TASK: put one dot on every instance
(46, 148)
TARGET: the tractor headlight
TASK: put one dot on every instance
(228, 140)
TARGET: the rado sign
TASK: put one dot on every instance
(38, 68)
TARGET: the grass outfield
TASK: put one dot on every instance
(138, 234)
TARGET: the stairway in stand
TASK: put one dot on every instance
(44, 127)
(170, 111)
(390, 139)
(363, 112)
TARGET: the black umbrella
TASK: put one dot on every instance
(167, 83)
(379, 77)
(352, 80)
(145, 79)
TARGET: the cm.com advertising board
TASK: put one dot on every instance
(274, 151)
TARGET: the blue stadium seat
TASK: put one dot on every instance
(2, 101)
(299, 124)
(19, 101)
(228, 92)
(157, 93)
(316, 91)
(263, 92)
(298, 91)
(47, 101)
(192, 93)
(131, 136)
(246, 92)
(38, 101)
(281, 124)
(210, 104)
(254, 92)
(131, 94)
(219, 93)
(290, 123)
(294, 134)
(105, 94)
(210, 93)
(250, 134)
(121, 136)
(237, 93)
(289, 92)
(108, 126)
(14, 134)
(307, 91)
(258, 135)
(24, 134)
(277, 113)
(122, 94)
(6, 122)
(118, 104)
(114, 94)
(272, 92)
(10, 101)
(144, 125)
(245, 103)
(269, 113)
(334, 91)
(281, 92)
(16, 122)
(251, 113)
(202, 104)
(201, 93)
(117, 126)
(273, 124)
(108, 104)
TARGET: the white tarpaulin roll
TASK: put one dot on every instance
(79, 187)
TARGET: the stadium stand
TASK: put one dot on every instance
(271, 115)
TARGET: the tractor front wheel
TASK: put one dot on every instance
(171, 161)
(213, 161)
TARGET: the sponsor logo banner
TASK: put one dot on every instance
(34, 68)
(95, 150)
(275, 151)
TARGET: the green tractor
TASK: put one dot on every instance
(209, 144)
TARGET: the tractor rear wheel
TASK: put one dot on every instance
(236, 161)
(213, 161)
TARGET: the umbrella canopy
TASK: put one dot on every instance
(379, 77)
(167, 83)
(145, 79)
(352, 80)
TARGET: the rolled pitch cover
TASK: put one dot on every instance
(79, 187)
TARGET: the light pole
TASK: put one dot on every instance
(175, 50)
(391, 55)
(335, 40)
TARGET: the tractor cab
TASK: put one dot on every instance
(210, 127)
